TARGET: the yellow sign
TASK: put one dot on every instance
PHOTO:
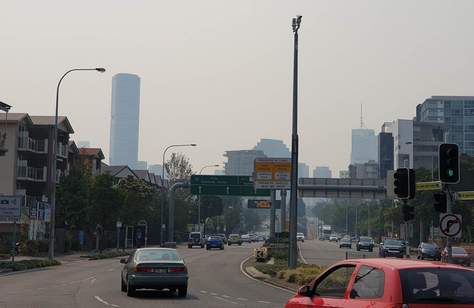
(465, 195)
(272, 173)
(421, 186)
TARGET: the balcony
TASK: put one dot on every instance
(62, 150)
(31, 173)
(26, 143)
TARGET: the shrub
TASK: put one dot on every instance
(28, 264)
(108, 254)
(301, 275)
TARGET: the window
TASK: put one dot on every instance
(157, 255)
(334, 283)
(369, 283)
(437, 285)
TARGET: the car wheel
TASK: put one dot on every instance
(229, 244)
(371, 249)
(190, 246)
(302, 241)
(130, 290)
(207, 247)
(123, 285)
(222, 247)
(240, 244)
(182, 292)
(202, 246)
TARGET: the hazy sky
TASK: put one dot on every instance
(219, 73)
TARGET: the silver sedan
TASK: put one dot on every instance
(154, 268)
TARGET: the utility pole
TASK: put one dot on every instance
(283, 210)
(272, 214)
(293, 248)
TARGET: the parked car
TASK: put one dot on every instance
(224, 238)
(392, 248)
(385, 283)
(245, 238)
(345, 242)
(300, 237)
(215, 242)
(154, 268)
(234, 239)
(333, 238)
(253, 238)
(365, 242)
(196, 239)
(459, 256)
(429, 251)
(260, 238)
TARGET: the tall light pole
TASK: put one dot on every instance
(162, 216)
(199, 196)
(293, 253)
(52, 179)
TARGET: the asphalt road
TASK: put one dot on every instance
(215, 281)
(327, 253)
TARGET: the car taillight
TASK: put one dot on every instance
(181, 269)
(143, 270)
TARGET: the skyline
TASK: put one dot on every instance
(229, 65)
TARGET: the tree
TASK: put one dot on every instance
(178, 167)
(106, 201)
(138, 200)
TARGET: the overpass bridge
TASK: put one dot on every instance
(342, 188)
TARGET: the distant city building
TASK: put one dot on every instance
(83, 144)
(141, 165)
(156, 169)
(124, 124)
(426, 140)
(385, 153)
(344, 174)
(303, 170)
(273, 148)
(322, 172)
(403, 143)
(457, 113)
(241, 162)
(368, 170)
(364, 146)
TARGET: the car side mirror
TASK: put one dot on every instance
(381, 244)
(123, 260)
(305, 291)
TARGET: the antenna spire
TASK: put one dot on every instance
(361, 117)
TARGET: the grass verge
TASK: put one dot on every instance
(27, 264)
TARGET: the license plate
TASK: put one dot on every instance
(160, 270)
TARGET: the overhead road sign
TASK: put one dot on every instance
(272, 173)
(10, 207)
(262, 204)
(450, 224)
(225, 185)
(465, 195)
(422, 186)
(341, 188)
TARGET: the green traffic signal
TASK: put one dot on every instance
(450, 172)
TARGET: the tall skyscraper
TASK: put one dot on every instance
(124, 124)
(364, 146)
(241, 162)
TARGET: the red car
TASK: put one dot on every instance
(388, 283)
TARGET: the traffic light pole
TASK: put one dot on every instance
(449, 210)
(272, 215)
(405, 225)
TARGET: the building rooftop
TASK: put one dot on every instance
(14, 117)
(63, 122)
(97, 152)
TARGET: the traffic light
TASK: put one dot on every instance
(440, 203)
(408, 212)
(400, 183)
(412, 187)
(449, 163)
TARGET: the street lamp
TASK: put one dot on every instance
(52, 179)
(199, 196)
(162, 227)
(292, 256)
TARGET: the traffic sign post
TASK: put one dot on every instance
(465, 195)
(450, 225)
(272, 173)
(424, 186)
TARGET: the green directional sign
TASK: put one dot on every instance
(225, 185)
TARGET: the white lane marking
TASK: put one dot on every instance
(227, 301)
(213, 294)
(203, 292)
(261, 281)
(111, 270)
(104, 302)
(226, 296)
(263, 302)
(93, 281)
(242, 299)
(301, 254)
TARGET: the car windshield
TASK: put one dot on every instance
(393, 242)
(429, 245)
(215, 238)
(437, 285)
(195, 235)
(157, 255)
(459, 250)
(365, 239)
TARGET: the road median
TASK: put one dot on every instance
(8, 266)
